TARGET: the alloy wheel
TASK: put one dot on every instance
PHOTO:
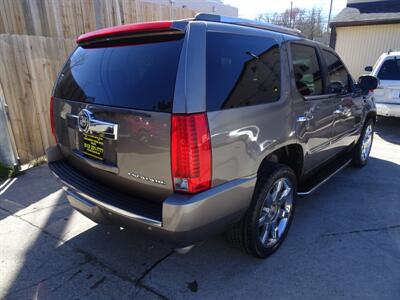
(366, 142)
(275, 212)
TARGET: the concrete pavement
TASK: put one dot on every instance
(344, 243)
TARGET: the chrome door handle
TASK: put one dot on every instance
(305, 118)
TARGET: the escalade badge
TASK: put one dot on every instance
(145, 178)
(84, 120)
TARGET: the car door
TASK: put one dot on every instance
(313, 106)
(347, 113)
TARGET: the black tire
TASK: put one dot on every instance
(246, 233)
(358, 160)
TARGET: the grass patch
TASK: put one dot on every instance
(38, 161)
(7, 172)
(3, 171)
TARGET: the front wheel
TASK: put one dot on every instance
(267, 221)
(364, 145)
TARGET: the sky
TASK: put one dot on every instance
(251, 8)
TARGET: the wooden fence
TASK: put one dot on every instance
(69, 18)
(36, 37)
(28, 68)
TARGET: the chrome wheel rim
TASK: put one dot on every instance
(275, 212)
(366, 142)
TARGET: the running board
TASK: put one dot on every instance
(328, 172)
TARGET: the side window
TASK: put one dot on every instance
(241, 70)
(338, 77)
(390, 70)
(307, 70)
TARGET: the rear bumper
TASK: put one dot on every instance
(388, 109)
(180, 219)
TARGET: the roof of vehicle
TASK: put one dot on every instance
(390, 53)
(248, 23)
(164, 26)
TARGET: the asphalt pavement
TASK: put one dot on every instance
(344, 244)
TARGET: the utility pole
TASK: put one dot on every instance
(291, 14)
(330, 13)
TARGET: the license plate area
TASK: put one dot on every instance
(394, 93)
(93, 146)
(96, 148)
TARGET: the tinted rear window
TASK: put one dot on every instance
(136, 76)
(390, 70)
(241, 70)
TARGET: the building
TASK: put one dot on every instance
(365, 29)
(206, 6)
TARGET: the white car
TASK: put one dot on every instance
(387, 95)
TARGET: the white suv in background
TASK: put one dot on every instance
(387, 95)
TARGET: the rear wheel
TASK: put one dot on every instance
(267, 221)
(364, 145)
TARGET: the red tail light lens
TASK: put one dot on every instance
(190, 153)
(52, 119)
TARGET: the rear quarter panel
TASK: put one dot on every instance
(242, 137)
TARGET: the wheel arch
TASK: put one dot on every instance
(291, 155)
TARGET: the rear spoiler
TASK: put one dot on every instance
(139, 29)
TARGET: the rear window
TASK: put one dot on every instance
(390, 70)
(241, 70)
(134, 76)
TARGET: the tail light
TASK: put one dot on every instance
(190, 153)
(52, 118)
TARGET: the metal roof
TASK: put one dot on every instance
(352, 16)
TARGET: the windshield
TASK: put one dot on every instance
(134, 76)
(390, 70)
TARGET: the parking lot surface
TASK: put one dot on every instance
(344, 243)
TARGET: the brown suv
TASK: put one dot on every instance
(196, 127)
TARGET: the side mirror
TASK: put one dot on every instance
(367, 82)
(368, 69)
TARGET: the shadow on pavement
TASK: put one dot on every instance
(28, 189)
(340, 243)
(344, 243)
(388, 129)
(53, 252)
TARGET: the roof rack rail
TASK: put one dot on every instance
(249, 23)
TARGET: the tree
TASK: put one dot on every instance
(309, 22)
